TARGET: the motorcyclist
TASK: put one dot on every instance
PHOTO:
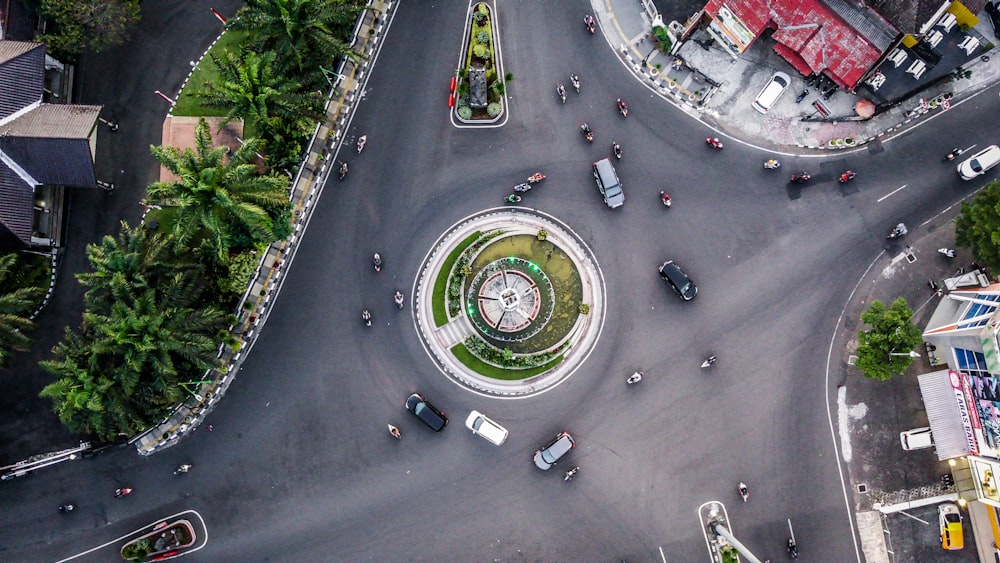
(793, 549)
(66, 508)
(561, 90)
(954, 152)
(588, 20)
(398, 298)
(617, 150)
(395, 432)
(122, 492)
(665, 198)
(513, 198)
(343, 169)
(772, 164)
(714, 142)
(587, 132)
(576, 81)
(709, 361)
(183, 468)
(847, 175)
(634, 378)
(801, 177)
(900, 230)
(571, 473)
(361, 142)
(366, 316)
(623, 107)
(744, 492)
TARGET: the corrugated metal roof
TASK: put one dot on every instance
(943, 415)
(866, 22)
(16, 205)
(22, 75)
(907, 15)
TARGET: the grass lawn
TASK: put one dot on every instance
(188, 104)
(438, 297)
(489, 370)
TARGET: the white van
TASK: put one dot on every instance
(916, 439)
(979, 163)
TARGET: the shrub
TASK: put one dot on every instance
(465, 112)
(482, 9)
(465, 269)
(497, 88)
(508, 77)
(137, 551)
(543, 234)
(494, 109)
(483, 37)
(491, 75)
(480, 51)
(478, 17)
(584, 309)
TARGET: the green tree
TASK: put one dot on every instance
(213, 196)
(78, 25)
(144, 331)
(250, 89)
(304, 34)
(15, 306)
(883, 349)
(978, 226)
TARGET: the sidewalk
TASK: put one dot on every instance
(710, 85)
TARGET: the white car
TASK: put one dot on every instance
(916, 439)
(979, 163)
(771, 92)
(486, 427)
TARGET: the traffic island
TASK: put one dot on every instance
(510, 302)
(479, 95)
(166, 540)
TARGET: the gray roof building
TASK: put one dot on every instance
(43, 147)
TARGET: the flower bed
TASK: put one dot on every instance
(480, 86)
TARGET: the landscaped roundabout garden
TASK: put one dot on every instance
(512, 300)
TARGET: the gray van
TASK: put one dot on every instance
(608, 183)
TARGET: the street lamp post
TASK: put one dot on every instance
(913, 354)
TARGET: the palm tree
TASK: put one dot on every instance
(14, 306)
(249, 89)
(304, 34)
(213, 196)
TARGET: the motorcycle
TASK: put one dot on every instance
(847, 176)
(953, 154)
(799, 178)
(802, 96)
(588, 21)
(377, 262)
(366, 317)
(714, 142)
(343, 170)
(361, 142)
(576, 82)
(615, 148)
(523, 187)
(793, 549)
(66, 508)
(772, 164)
(183, 469)
(897, 232)
(398, 298)
(744, 492)
(665, 199)
(394, 432)
(571, 473)
(561, 90)
(623, 107)
(512, 198)
(949, 252)
(634, 378)
(123, 492)
(536, 177)
(708, 361)
(587, 132)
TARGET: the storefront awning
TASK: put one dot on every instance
(941, 400)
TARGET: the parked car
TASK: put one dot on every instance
(950, 521)
(916, 439)
(677, 279)
(773, 90)
(979, 163)
(481, 425)
(426, 412)
(608, 183)
(546, 457)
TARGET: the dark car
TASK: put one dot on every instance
(675, 276)
(546, 457)
(426, 412)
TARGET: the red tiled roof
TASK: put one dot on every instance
(810, 36)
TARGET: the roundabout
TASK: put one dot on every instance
(509, 302)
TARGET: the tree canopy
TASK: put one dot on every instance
(77, 25)
(883, 350)
(15, 306)
(978, 226)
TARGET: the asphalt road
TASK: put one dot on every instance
(300, 467)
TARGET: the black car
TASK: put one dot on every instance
(675, 276)
(426, 412)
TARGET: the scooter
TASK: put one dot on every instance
(799, 178)
(949, 252)
(623, 107)
(522, 187)
(66, 508)
(183, 469)
(588, 21)
(793, 549)
(744, 492)
(394, 432)
(665, 199)
(953, 154)
(772, 164)
(587, 132)
(802, 96)
(123, 492)
(615, 148)
(898, 231)
(366, 317)
(634, 378)
(512, 198)
(361, 142)
(571, 473)
(398, 298)
(536, 177)
(575, 80)
(847, 177)
(714, 142)
(708, 361)
(561, 90)
(377, 262)
(343, 170)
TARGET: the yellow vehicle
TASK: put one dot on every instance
(950, 520)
